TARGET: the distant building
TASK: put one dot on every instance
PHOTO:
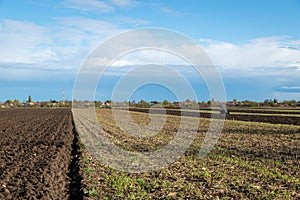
(7, 104)
(30, 104)
(231, 103)
(101, 104)
(51, 104)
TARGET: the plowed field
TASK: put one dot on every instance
(40, 158)
(38, 154)
(273, 118)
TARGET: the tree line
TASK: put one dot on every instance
(192, 104)
(189, 104)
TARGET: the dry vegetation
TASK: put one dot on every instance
(251, 160)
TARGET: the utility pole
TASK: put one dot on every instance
(63, 96)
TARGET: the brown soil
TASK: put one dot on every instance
(291, 111)
(240, 117)
(263, 110)
(38, 155)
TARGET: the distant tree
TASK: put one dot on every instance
(166, 102)
(133, 103)
(253, 103)
(275, 102)
(208, 103)
(266, 102)
(53, 101)
(8, 102)
(246, 103)
(29, 99)
(16, 102)
(154, 102)
(143, 104)
(176, 104)
(292, 102)
(97, 103)
(234, 101)
(68, 103)
(213, 101)
(202, 104)
(108, 101)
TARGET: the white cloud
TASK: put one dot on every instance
(143, 57)
(140, 59)
(89, 26)
(18, 39)
(265, 52)
(25, 45)
(124, 3)
(132, 21)
(65, 44)
(98, 6)
(133, 59)
(171, 12)
(89, 6)
(60, 47)
(291, 87)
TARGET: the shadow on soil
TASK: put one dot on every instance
(75, 187)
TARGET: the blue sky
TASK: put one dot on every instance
(254, 44)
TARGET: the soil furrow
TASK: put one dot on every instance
(39, 155)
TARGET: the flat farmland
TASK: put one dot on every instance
(37, 154)
(41, 157)
(251, 160)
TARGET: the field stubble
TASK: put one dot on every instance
(251, 160)
(39, 159)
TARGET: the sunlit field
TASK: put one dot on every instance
(251, 160)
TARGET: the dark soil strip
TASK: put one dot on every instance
(253, 118)
(274, 110)
(293, 120)
(75, 186)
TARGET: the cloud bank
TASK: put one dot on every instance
(268, 52)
